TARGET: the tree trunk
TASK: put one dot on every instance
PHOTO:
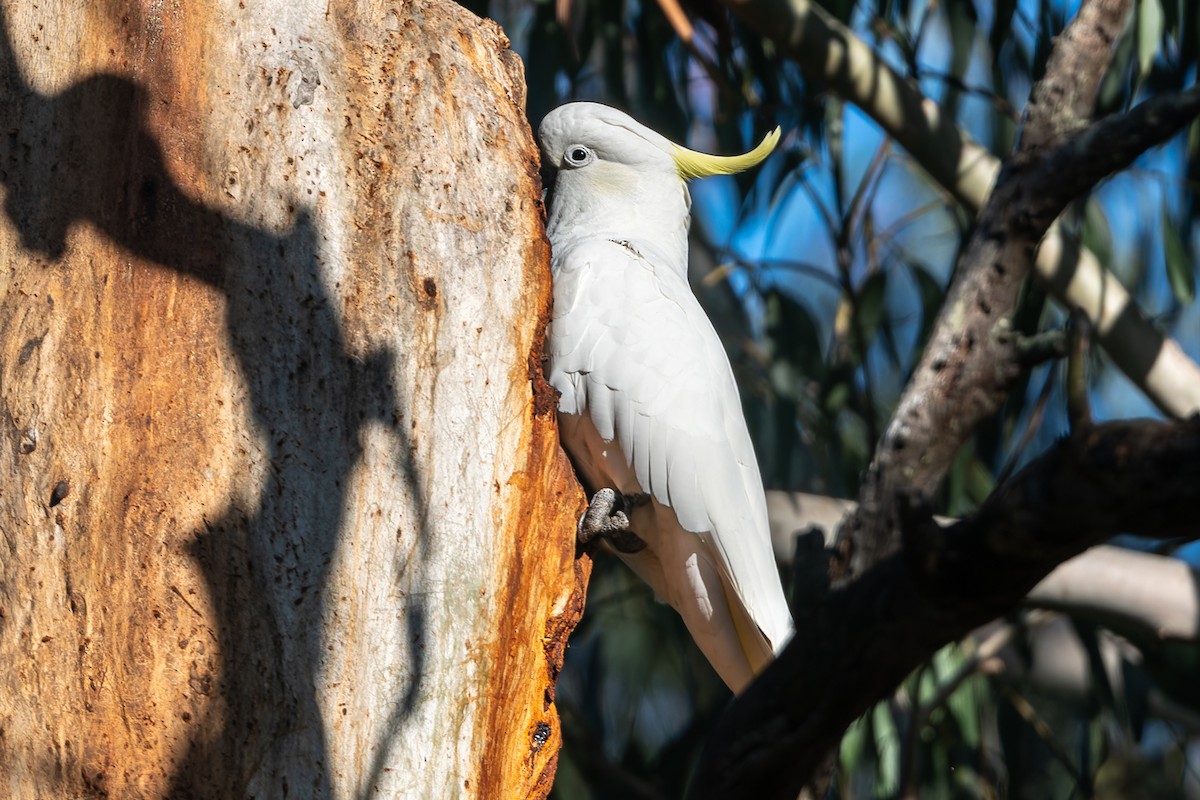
(283, 509)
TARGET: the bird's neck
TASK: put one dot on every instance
(653, 224)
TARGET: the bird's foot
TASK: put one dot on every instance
(607, 516)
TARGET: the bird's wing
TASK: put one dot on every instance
(631, 348)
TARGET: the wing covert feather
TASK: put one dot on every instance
(634, 350)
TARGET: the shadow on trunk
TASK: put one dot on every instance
(85, 156)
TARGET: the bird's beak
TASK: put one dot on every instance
(691, 164)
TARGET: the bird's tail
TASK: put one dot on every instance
(758, 650)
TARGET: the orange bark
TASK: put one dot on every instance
(281, 514)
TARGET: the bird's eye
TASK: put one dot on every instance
(578, 155)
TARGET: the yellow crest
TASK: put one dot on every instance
(691, 164)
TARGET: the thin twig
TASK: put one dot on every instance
(998, 102)
(802, 267)
(683, 28)
(983, 660)
(1031, 427)
(865, 191)
(678, 20)
(1028, 713)
(833, 55)
(855, 211)
(909, 217)
(930, 9)
(1078, 408)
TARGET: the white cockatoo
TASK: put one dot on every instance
(649, 406)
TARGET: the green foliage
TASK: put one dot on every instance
(1181, 272)
(825, 272)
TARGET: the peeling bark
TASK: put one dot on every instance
(284, 511)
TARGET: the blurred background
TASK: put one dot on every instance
(824, 270)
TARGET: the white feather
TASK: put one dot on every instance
(669, 402)
(649, 403)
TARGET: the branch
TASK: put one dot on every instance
(1140, 595)
(1063, 100)
(1112, 143)
(1057, 663)
(895, 609)
(831, 53)
(972, 360)
(1134, 476)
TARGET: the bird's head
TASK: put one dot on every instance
(609, 167)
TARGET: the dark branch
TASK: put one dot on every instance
(1136, 476)
(833, 56)
(892, 610)
(972, 359)
(1112, 143)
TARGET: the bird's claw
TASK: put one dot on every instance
(607, 517)
(604, 515)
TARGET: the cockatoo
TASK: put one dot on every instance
(649, 408)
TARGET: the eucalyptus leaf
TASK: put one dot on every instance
(871, 306)
(1150, 32)
(837, 397)
(1002, 17)
(853, 432)
(853, 746)
(965, 704)
(1096, 233)
(1181, 272)
(963, 22)
(1115, 86)
(980, 482)
(887, 750)
(932, 294)
(795, 334)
